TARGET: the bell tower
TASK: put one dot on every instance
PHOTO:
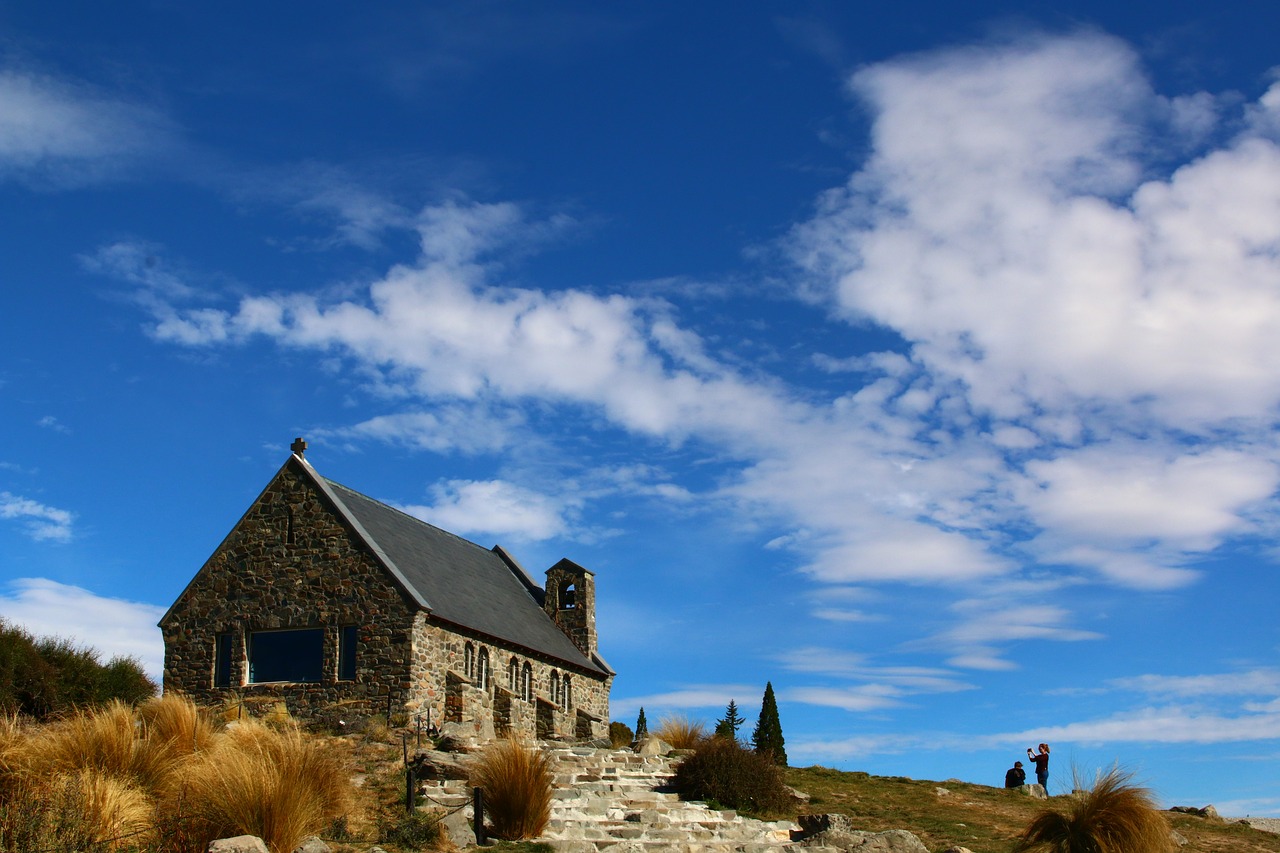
(571, 603)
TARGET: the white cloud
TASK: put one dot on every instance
(42, 522)
(1171, 724)
(1001, 227)
(112, 626)
(63, 133)
(495, 507)
(1254, 682)
(675, 702)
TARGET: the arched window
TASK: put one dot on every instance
(482, 677)
(555, 687)
(526, 682)
(469, 661)
(568, 691)
(513, 676)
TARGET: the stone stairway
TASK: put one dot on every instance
(618, 801)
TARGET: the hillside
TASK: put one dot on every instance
(984, 819)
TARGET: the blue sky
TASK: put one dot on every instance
(924, 367)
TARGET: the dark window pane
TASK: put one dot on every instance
(222, 661)
(347, 653)
(296, 656)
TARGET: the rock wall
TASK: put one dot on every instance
(290, 563)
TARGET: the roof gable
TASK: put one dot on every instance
(456, 580)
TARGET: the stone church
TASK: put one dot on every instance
(341, 607)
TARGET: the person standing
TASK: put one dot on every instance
(1015, 776)
(1041, 760)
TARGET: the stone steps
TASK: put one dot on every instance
(620, 802)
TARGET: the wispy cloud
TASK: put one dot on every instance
(61, 133)
(42, 522)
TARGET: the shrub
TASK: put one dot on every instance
(1114, 816)
(620, 735)
(277, 784)
(50, 676)
(722, 772)
(681, 732)
(516, 780)
(416, 831)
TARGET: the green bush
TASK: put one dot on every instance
(50, 676)
(620, 735)
(417, 831)
(721, 771)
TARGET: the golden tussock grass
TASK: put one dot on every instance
(277, 784)
(1114, 816)
(74, 811)
(108, 740)
(176, 720)
(681, 732)
(516, 779)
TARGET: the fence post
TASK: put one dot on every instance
(477, 806)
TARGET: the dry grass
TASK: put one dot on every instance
(277, 784)
(1114, 816)
(85, 811)
(516, 779)
(107, 740)
(681, 732)
(118, 815)
(175, 720)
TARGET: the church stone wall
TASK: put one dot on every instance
(291, 563)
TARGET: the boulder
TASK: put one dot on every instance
(1207, 811)
(1035, 791)
(836, 830)
(312, 844)
(438, 764)
(239, 844)
(653, 746)
(457, 826)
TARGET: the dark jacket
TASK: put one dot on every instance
(1015, 778)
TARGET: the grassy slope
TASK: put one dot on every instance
(986, 820)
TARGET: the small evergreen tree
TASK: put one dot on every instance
(642, 725)
(767, 738)
(728, 727)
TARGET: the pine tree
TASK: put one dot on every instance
(767, 738)
(728, 727)
(642, 725)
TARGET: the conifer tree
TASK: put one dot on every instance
(727, 728)
(642, 725)
(767, 738)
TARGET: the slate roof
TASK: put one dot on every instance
(456, 580)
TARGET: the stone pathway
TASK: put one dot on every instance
(620, 802)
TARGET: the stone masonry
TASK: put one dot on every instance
(291, 562)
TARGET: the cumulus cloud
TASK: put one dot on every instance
(41, 522)
(113, 626)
